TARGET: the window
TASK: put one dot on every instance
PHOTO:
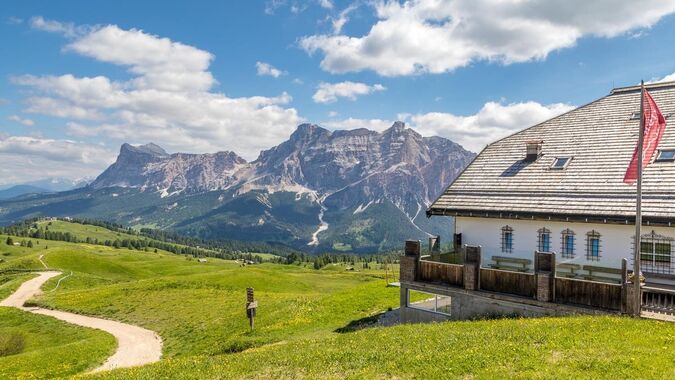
(568, 243)
(544, 244)
(656, 254)
(434, 303)
(666, 155)
(507, 239)
(560, 163)
(593, 245)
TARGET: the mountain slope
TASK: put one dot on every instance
(18, 190)
(357, 190)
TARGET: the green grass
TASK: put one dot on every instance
(553, 348)
(85, 230)
(198, 309)
(51, 348)
(265, 256)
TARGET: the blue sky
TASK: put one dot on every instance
(80, 77)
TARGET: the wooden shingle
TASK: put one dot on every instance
(600, 137)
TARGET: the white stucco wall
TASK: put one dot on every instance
(616, 241)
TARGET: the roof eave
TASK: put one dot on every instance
(555, 217)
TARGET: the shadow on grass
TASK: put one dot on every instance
(360, 324)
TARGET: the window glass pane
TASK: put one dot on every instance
(430, 302)
(507, 241)
(666, 155)
(546, 242)
(662, 248)
(421, 300)
(560, 162)
(646, 246)
(595, 247)
(443, 304)
(569, 244)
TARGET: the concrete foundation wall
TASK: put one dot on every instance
(475, 304)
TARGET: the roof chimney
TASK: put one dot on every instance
(533, 149)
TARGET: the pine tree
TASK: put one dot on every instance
(10, 241)
(30, 244)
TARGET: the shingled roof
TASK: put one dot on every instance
(600, 137)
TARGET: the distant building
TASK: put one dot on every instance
(558, 187)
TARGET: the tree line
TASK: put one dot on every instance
(147, 239)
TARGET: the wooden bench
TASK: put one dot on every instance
(602, 270)
(511, 263)
(572, 268)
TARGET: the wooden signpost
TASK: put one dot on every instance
(251, 305)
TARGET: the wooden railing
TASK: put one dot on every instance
(431, 271)
(502, 281)
(658, 300)
(588, 293)
(544, 285)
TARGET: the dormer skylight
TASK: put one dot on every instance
(560, 163)
(666, 155)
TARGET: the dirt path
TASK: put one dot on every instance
(135, 345)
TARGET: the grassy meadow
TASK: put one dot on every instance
(198, 309)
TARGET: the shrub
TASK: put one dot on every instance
(11, 344)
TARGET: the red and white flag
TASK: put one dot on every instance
(654, 126)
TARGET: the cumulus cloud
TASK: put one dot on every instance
(330, 92)
(436, 36)
(493, 121)
(21, 120)
(342, 18)
(354, 123)
(27, 158)
(328, 4)
(67, 29)
(160, 63)
(168, 98)
(667, 78)
(263, 68)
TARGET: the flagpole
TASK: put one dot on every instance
(638, 206)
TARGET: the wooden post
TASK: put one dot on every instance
(251, 306)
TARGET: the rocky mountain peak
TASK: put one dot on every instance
(306, 132)
(398, 127)
(147, 149)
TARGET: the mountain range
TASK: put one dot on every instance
(320, 190)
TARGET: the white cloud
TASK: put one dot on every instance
(342, 18)
(667, 78)
(266, 69)
(28, 158)
(13, 20)
(330, 92)
(67, 29)
(160, 63)
(353, 123)
(327, 4)
(167, 99)
(492, 122)
(437, 36)
(21, 120)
